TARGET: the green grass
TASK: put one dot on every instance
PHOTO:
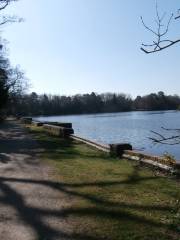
(112, 198)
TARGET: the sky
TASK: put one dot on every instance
(79, 46)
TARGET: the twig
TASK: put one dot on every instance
(159, 43)
(170, 140)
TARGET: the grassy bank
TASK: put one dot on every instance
(111, 198)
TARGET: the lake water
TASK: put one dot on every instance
(131, 127)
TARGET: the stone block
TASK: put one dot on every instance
(58, 131)
(118, 149)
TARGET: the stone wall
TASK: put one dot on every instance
(125, 151)
(26, 120)
(58, 131)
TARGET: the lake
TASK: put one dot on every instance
(131, 127)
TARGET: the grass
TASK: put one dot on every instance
(112, 198)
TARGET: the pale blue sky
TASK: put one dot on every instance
(80, 46)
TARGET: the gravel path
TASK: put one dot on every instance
(31, 202)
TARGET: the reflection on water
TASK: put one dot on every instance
(132, 127)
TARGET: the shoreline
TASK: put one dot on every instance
(114, 197)
(135, 128)
(103, 113)
(122, 150)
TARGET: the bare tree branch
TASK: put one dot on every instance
(7, 19)
(160, 43)
(178, 14)
(5, 3)
(166, 139)
(160, 48)
(171, 129)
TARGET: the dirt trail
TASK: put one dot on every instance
(31, 203)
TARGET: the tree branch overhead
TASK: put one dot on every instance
(161, 40)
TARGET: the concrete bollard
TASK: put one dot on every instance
(118, 149)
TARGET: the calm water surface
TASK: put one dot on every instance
(132, 127)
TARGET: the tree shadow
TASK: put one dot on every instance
(13, 139)
(102, 208)
(35, 217)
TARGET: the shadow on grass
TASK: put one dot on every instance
(64, 148)
(104, 209)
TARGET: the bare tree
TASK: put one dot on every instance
(17, 82)
(160, 33)
(161, 42)
(12, 80)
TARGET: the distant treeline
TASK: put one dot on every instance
(34, 104)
